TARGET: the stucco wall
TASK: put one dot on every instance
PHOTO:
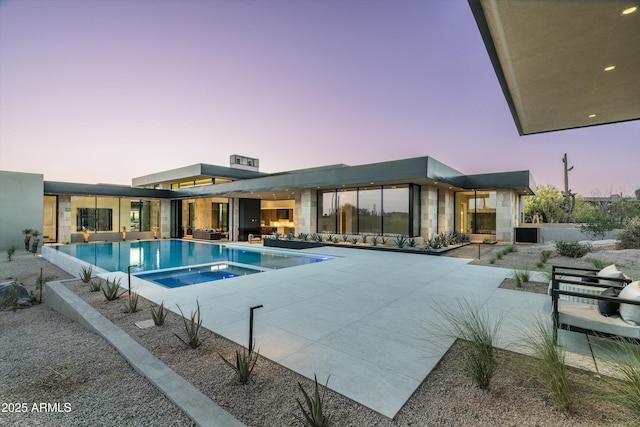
(21, 206)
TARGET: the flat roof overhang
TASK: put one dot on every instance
(110, 190)
(193, 173)
(420, 170)
(550, 58)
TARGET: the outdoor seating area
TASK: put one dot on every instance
(209, 234)
(596, 302)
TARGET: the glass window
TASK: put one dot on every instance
(347, 211)
(369, 210)
(395, 202)
(327, 215)
(50, 223)
(476, 212)
(220, 216)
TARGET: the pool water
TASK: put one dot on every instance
(175, 278)
(150, 255)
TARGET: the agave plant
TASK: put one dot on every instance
(401, 241)
(131, 306)
(191, 328)
(158, 315)
(110, 290)
(86, 273)
(314, 411)
(244, 363)
(94, 285)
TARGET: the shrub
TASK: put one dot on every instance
(354, 240)
(36, 297)
(412, 243)
(94, 285)
(549, 366)
(191, 328)
(314, 412)
(364, 238)
(159, 315)
(10, 251)
(374, 241)
(473, 325)
(629, 238)
(573, 249)
(345, 238)
(544, 256)
(521, 276)
(86, 273)
(110, 290)
(244, 364)
(303, 236)
(626, 366)
(597, 223)
(597, 264)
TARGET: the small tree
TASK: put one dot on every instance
(545, 203)
(27, 237)
(596, 223)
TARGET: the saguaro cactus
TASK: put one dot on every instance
(569, 202)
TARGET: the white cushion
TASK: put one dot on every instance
(610, 271)
(630, 313)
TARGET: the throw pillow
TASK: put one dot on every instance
(610, 271)
(609, 308)
(630, 313)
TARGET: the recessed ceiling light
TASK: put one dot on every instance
(629, 10)
(591, 116)
(610, 68)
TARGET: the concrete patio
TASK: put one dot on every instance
(370, 321)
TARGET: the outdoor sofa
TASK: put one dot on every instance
(597, 302)
(207, 234)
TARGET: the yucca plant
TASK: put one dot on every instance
(110, 290)
(94, 285)
(159, 315)
(131, 306)
(313, 413)
(191, 328)
(549, 365)
(86, 273)
(10, 251)
(244, 363)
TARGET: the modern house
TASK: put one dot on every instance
(416, 197)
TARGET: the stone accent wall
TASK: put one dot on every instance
(64, 219)
(165, 219)
(305, 213)
(446, 211)
(506, 215)
(429, 212)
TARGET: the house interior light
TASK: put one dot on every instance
(610, 68)
(629, 10)
(591, 116)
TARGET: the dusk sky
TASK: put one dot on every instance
(101, 91)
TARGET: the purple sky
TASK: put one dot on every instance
(107, 90)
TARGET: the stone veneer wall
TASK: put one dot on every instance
(165, 219)
(64, 218)
(306, 212)
(446, 211)
(429, 211)
(506, 215)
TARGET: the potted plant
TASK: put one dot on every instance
(35, 240)
(85, 234)
(27, 236)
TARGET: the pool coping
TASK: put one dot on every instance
(197, 406)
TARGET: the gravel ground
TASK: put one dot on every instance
(46, 358)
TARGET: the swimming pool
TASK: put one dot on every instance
(193, 275)
(150, 255)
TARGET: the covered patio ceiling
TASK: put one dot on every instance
(564, 64)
